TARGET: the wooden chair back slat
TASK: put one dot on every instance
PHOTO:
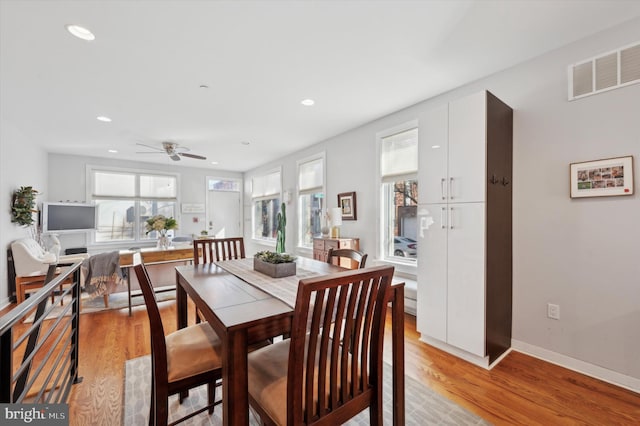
(358, 258)
(217, 249)
(342, 370)
(158, 344)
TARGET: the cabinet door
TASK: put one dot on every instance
(467, 136)
(466, 277)
(432, 153)
(432, 271)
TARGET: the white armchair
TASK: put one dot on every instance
(31, 263)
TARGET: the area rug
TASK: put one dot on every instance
(96, 304)
(423, 405)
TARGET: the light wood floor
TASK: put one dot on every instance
(520, 390)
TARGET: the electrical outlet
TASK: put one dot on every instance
(553, 311)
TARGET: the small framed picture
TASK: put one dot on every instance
(347, 202)
(602, 178)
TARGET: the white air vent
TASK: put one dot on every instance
(605, 72)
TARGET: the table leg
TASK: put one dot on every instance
(128, 272)
(181, 303)
(397, 315)
(235, 379)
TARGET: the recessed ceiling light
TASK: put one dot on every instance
(103, 118)
(113, 151)
(81, 32)
(214, 162)
(204, 86)
(308, 102)
(435, 146)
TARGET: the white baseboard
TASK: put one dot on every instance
(592, 370)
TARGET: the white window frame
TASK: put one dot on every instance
(408, 266)
(309, 191)
(261, 197)
(92, 169)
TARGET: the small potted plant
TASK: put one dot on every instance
(275, 265)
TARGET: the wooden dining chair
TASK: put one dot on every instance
(287, 387)
(358, 259)
(217, 249)
(180, 361)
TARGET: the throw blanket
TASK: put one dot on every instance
(102, 273)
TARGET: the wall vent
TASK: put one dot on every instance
(604, 72)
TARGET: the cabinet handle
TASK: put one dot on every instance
(450, 217)
(442, 209)
(442, 181)
(505, 181)
(493, 179)
(451, 188)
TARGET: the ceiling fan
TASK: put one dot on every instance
(173, 150)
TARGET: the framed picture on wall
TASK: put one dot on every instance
(602, 178)
(347, 202)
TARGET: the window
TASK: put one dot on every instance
(399, 195)
(266, 205)
(310, 198)
(126, 199)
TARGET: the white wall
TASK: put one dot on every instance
(67, 181)
(580, 254)
(22, 164)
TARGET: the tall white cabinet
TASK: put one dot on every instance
(464, 244)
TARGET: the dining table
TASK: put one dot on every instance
(245, 307)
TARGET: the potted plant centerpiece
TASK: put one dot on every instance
(276, 265)
(161, 224)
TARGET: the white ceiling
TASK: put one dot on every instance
(359, 60)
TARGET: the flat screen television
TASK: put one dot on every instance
(68, 217)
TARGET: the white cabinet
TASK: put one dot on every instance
(464, 240)
(433, 134)
(467, 133)
(465, 272)
(452, 151)
(451, 275)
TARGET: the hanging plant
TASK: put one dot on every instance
(23, 205)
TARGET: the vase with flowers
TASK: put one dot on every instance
(161, 224)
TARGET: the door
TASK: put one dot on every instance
(466, 277)
(467, 145)
(432, 154)
(224, 214)
(432, 271)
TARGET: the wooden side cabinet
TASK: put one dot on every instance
(321, 247)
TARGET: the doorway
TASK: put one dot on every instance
(224, 214)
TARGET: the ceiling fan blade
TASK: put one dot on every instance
(175, 157)
(197, 157)
(150, 146)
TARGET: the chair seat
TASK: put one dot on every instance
(267, 369)
(191, 351)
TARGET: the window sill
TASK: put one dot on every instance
(402, 269)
